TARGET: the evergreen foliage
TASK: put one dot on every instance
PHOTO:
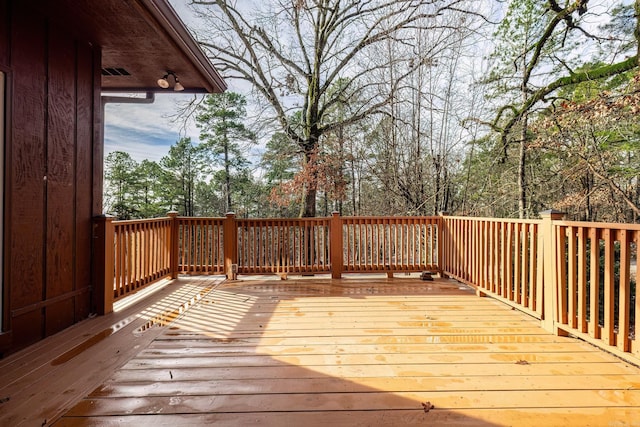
(421, 121)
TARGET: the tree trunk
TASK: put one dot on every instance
(227, 177)
(309, 206)
(310, 203)
(522, 179)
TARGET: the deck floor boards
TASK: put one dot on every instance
(374, 352)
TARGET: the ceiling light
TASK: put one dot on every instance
(178, 86)
(164, 82)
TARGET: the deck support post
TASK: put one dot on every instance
(174, 243)
(441, 244)
(550, 271)
(230, 231)
(336, 249)
(103, 264)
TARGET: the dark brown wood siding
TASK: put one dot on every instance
(49, 174)
(4, 32)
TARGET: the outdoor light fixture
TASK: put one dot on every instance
(178, 86)
(164, 82)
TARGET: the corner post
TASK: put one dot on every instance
(174, 243)
(442, 244)
(335, 239)
(103, 263)
(549, 273)
(230, 238)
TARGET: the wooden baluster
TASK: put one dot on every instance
(336, 249)
(594, 283)
(609, 281)
(624, 301)
(582, 280)
(561, 270)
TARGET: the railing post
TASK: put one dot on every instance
(335, 242)
(550, 269)
(441, 244)
(230, 238)
(174, 243)
(103, 263)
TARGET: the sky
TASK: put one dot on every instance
(145, 131)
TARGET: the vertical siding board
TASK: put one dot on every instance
(5, 28)
(25, 169)
(60, 175)
(83, 183)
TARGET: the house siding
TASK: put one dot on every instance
(49, 174)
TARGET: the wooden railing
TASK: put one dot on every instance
(282, 246)
(200, 244)
(142, 249)
(596, 283)
(135, 253)
(499, 257)
(577, 278)
(389, 244)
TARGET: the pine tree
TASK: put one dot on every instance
(223, 133)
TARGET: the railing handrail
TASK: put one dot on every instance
(140, 221)
(599, 225)
(504, 220)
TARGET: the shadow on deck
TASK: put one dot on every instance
(361, 351)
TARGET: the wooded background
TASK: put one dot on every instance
(483, 108)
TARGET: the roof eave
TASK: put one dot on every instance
(165, 15)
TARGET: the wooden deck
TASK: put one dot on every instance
(366, 352)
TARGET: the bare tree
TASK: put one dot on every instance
(563, 23)
(292, 52)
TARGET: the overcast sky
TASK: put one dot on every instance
(144, 131)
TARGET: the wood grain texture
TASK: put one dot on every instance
(41, 382)
(5, 28)
(399, 418)
(49, 185)
(83, 175)
(370, 352)
(60, 177)
(28, 164)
